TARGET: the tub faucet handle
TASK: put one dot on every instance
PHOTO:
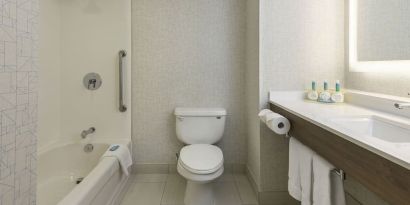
(84, 133)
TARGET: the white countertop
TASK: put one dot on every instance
(320, 114)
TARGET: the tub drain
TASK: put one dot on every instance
(88, 148)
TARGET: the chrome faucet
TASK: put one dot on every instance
(402, 105)
(84, 133)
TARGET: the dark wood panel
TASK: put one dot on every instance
(385, 178)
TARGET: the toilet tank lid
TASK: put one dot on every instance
(184, 111)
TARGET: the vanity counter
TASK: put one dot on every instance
(323, 115)
(380, 164)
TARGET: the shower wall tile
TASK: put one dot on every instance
(18, 101)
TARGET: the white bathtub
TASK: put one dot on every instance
(60, 166)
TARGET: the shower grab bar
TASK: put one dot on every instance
(122, 54)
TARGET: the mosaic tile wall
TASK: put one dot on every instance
(18, 101)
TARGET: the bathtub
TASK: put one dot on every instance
(67, 175)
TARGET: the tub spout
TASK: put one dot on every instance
(84, 133)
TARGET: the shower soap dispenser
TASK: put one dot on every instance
(337, 96)
(313, 94)
(325, 95)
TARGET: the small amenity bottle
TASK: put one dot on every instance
(325, 95)
(312, 94)
(337, 96)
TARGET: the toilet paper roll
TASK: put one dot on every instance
(276, 122)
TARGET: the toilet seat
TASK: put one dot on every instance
(201, 158)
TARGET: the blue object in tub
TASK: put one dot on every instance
(115, 147)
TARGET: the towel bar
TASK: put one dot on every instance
(341, 173)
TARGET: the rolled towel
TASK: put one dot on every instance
(123, 155)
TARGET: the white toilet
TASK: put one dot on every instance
(199, 161)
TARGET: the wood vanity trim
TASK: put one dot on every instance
(385, 178)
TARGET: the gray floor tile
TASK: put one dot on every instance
(144, 194)
(174, 190)
(226, 194)
(245, 189)
(150, 178)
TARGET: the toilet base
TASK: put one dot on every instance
(199, 193)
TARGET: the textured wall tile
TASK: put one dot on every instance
(300, 41)
(186, 53)
(18, 102)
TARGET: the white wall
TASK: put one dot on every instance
(252, 91)
(300, 40)
(92, 33)
(187, 53)
(81, 37)
(50, 73)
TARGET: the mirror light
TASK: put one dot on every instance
(368, 66)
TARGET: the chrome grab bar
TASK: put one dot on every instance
(122, 54)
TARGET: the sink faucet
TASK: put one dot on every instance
(84, 133)
(402, 105)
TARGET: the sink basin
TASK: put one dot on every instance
(376, 127)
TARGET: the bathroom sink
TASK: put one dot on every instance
(376, 127)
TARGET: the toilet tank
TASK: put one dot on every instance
(200, 125)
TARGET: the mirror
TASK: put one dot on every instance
(379, 35)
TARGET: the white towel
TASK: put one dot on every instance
(294, 185)
(327, 189)
(306, 175)
(300, 172)
(122, 153)
(337, 190)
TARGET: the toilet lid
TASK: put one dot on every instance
(201, 158)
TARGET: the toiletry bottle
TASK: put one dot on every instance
(338, 96)
(325, 95)
(312, 94)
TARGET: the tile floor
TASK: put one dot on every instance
(168, 189)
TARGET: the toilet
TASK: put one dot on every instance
(199, 161)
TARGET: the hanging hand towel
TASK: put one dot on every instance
(337, 189)
(300, 172)
(327, 188)
(306, 173)
(294, 185)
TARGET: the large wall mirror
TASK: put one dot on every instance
(379, 35)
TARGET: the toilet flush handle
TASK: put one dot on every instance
(180, 118)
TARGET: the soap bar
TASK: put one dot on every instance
(113, 148)
(338, 97)
(324, 97)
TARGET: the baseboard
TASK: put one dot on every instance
(233, 168)
(251, 178)
(269, 197)
(276, 198)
